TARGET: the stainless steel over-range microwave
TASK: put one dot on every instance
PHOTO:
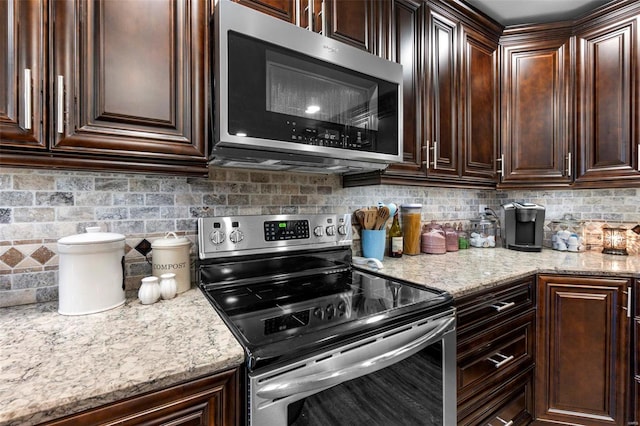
(286, 98)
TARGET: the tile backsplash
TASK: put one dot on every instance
(38, 207)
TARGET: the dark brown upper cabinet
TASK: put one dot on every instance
(22, 60)
(478, 124)
(130, 79)
(126, 83)
(607, 100)
(352, 22)
(450, 94)
(536, 107)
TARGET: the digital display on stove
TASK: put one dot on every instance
(286, 230)
(286, 322)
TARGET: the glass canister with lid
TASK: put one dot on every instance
(482, 232)
(567, 234)
(411, 217)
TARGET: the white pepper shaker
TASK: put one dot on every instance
(168, 285)
(149, 291)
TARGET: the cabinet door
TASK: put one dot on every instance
(287, 10)
(351, 22)
(407, 48)
(478, 105)
(442, 113)
(582, 355)
(130, 79)
(22, 74)
(607, 76)
(535, 113)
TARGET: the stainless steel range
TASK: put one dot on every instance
(326, 343)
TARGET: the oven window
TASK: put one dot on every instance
(409, 393)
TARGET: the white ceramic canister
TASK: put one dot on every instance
(91, 272)
(171, 254)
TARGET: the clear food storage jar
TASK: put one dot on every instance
(567, 234)
(482, 232)
(411, 216)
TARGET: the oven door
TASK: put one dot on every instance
(404, 376)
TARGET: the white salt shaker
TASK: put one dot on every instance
(149, 291)
(168, 285)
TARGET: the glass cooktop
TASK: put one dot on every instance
(289, 314)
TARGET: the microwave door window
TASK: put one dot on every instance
(307, 94)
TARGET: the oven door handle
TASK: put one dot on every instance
(326, 379)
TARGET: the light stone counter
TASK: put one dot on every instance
(53, 365)
(466, 271)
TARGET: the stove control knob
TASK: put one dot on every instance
(318, 231)
(331, 230)
(217, 237)
(342, 230)
(331, 311)
(236, 236)
(318, 313)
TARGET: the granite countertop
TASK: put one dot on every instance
(467, 271)
(53, 365)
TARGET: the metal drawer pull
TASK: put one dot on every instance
(435, 155)
(501, 306)
(504, 422)
(505, 359)
(569, 165)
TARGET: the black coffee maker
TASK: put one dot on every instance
(523, 225)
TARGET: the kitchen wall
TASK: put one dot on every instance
(37, 207)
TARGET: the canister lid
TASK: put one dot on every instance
(92, 236)
(170, 240)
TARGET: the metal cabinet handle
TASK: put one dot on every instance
(639, 157)
(504, 422)
(501, 160)
(323, 22)
(60, 104)
(629, 298)
(27, 99)
(569, 165)
(505, 359)
(426, 155)
(309, 11)
(501, 306)
(435, 155)
(297, 13)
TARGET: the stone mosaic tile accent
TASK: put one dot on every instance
(37, 207)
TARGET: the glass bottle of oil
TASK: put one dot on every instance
(396, 241)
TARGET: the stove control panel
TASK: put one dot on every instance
(238, 235)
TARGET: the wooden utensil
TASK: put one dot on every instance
(370, 218)
(360, 217)
(381, 219)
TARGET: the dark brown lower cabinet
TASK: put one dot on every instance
(495, 359)
(582, 357)
(209, 401)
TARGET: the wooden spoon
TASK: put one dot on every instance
(381, 219)
(370, 218)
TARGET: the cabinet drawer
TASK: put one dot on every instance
(493, 357)
(480, 310)
(512, 405)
